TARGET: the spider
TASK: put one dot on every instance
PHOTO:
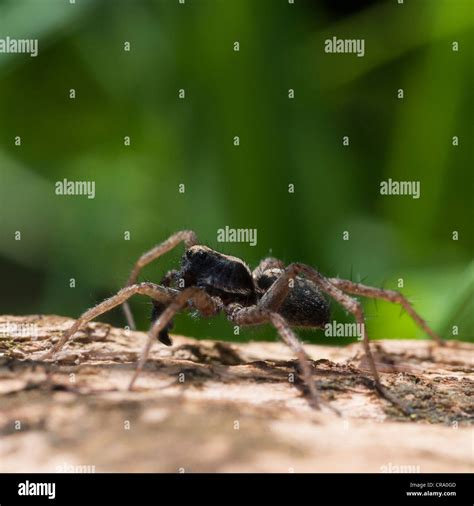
(286, 297)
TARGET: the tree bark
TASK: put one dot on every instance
(205, 405)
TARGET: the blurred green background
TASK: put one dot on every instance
(282, 141)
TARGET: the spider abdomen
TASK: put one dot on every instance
(304, 306)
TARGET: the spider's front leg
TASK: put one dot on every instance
(187, 236)
(156, 292)
(174, 299)
(200, 300)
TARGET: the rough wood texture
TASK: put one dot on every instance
(232, 409)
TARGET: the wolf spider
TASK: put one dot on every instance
(210, 282)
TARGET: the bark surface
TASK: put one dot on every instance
(213, 406)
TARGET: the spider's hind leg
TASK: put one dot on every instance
(257, 315)
(279, 291)
(388, 295)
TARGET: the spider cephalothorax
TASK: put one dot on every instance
(283, 296)
(224, 276)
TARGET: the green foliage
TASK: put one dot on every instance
(282, 141)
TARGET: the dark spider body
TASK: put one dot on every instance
(304, 306)
(230, 279)
(283, 296)
(223, 276)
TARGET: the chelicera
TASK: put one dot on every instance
(210, 282)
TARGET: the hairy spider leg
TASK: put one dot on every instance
(258, 315)
(203, 302)
(389, 295)
(279, 291)
(153, 291)
(187, 236)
